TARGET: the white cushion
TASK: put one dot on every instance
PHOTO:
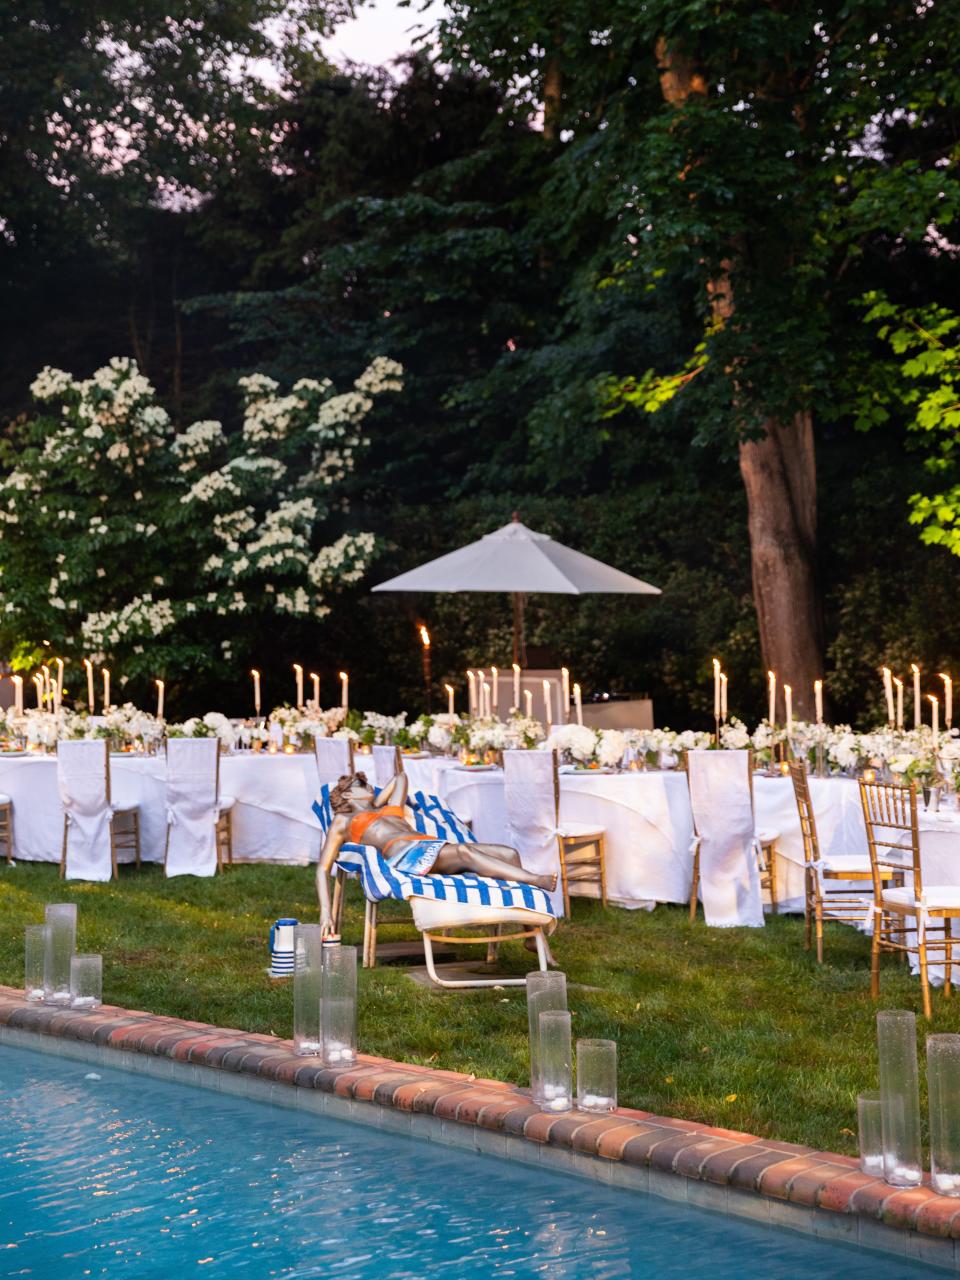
(936, 896)
(579, 830)
(767, 837)
(849, 862)
(5, 799)
(226, 803)
(430, 914)
(116, 807)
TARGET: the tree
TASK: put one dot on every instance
(793, 153)
(127, 541)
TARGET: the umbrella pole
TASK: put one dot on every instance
(519, 639)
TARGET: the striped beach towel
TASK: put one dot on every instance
(380, 881)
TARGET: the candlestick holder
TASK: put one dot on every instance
(61, 942)
(556, 1066)
(899, 1097)
(596, 1075)
(338, 1009)
(34, 954)
(307, 988)
(86, 982)
(544, 991)
(943, 1089)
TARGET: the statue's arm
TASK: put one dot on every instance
(394, 792)
(335, 839)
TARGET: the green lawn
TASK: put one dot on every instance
(734, 1027)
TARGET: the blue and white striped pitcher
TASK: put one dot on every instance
(281, 947)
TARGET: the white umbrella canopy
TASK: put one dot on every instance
(518, 560)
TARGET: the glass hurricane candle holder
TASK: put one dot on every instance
(870, 1133)
(34, 959)
(307, 987)
(943, 1090)
(596, 1075)
(61, 917)
(544, 991)
(556, 1065)
(899, 1097)
(338, 1012)
(86, 982)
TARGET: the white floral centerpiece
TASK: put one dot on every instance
(212, 725)
(588, 748)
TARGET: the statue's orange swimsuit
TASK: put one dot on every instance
(360, 821)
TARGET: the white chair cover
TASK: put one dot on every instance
(83, 781)
(723, 814)
(192, 808)
(334, 758)
(385, 765)
(532, 812)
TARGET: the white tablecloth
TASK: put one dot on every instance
(272, 818)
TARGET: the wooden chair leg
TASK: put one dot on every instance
(63, 851)
(948, 947)
(696, 884)
(563, 879)
(136, 836)
(808, 898)
(819, 911)
(875, 956)
(602, 850)
(8, 831)
(229, 834)
(925, 980)
(114, 872)
(772, 876)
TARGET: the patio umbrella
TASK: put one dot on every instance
(518, 560)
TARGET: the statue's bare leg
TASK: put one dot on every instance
(488, 860)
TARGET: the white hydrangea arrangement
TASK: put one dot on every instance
(127, 539)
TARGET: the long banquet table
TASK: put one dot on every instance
(646, 816)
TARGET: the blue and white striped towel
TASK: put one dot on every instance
(379, 880)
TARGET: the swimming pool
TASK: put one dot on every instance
(123, 1175)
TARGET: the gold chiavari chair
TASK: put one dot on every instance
(123, 838)
(6, 825)
(820, 900)
(893, 837)
(765, 843)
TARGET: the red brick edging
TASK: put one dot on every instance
(778, 1171)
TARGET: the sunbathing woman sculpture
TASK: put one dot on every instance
(360, 817)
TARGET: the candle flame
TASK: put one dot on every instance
(818, 684)
(448, 688)
(933, 699)
(898, 682)
(297, 667)
(343, 675)
(914, 668)
(716, 666)
(945, 678)
(314, 676)
(788, 689)
(159, 684)
(886, 671)
(771, 676)
(255, 673)
(424, 636)
(516, 667)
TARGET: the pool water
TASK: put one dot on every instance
(129, 1176)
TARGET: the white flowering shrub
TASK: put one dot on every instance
(125, 539)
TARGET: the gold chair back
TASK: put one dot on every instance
(808, 822)
(893, 834)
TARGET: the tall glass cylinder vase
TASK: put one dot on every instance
(61, 917)
(544, 991)
(899, 1097)
(86, 983)
(307, 985)
(338, 1016)
(556, 1061)
(943, 1089)
(34, 959)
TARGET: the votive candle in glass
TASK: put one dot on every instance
(34, 959)
(338, 1010)
(61, 944)
(899, 1097)
(545, 990)
(943, 1089)
(596, 1075)
(870, 1133)
(86, 982)
(307, 986)
(556, 1061)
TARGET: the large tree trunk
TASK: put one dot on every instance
(779, 473)
(780, 477)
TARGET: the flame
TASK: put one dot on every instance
(424, 636)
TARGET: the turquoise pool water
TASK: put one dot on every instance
(128, 1176)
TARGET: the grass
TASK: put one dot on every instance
(734, 1027)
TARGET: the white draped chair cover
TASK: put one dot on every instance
(723, 815)
(334, 758)
(385, 765)
(531, 803)
(83, 780)
(192, 806)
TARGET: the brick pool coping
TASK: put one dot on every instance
(784, 1183)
